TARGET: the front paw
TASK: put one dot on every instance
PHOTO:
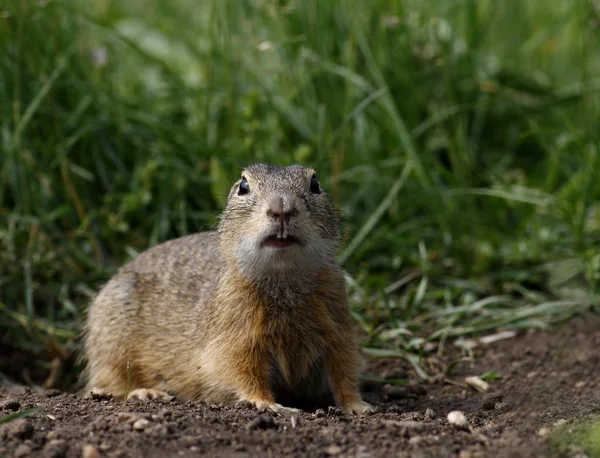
(266, 405)
(145, 394)
(358, 408)
(279, 408)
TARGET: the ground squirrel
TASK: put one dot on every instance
(256, 311)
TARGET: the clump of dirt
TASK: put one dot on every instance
(548, 378)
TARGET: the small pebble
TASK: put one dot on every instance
(457, 418)
(140, 424)
(543, 432)
(560, 422)
(319, 413)
(52, 392)
(429, 414)
(333, 450)
(89, 451)
(56, 448)
(100, 394)
(477, 383)
(415, 441)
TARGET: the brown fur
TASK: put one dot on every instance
(218, 316)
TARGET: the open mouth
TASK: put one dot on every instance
(281, 242)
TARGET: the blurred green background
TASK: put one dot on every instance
(459, 138)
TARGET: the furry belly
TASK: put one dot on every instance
(309, 390)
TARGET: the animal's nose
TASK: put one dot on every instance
(280, 209)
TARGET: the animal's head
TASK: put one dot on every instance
(279, 220)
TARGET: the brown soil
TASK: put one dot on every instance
(547, 377)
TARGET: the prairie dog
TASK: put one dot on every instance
(255, 311)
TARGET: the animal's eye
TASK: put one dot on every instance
(244, 187)
(315, 188)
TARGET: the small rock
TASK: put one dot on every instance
(99, 394)
(560, 422)
(18, 429)
(429, 414)
(466, 454)
(140, 424)
(333, 450)
(52, 392)
(261, 422)
(22, 450)
(489, 401)
(457, 418)
(477, 383)
(89, 451)
(415, 441)
(56, 448)
(51, 435)
(104, 447)
(319, 413)
(543, 432)
(10, 404)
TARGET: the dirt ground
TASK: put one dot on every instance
(547, 378)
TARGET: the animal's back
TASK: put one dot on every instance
(153, 303)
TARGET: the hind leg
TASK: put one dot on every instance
(108, 334)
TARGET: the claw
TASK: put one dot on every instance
(273, 406)
(358, 408)
(145, 394)
(282, 409)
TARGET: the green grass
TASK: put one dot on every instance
(459, 139)
(581, 438)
